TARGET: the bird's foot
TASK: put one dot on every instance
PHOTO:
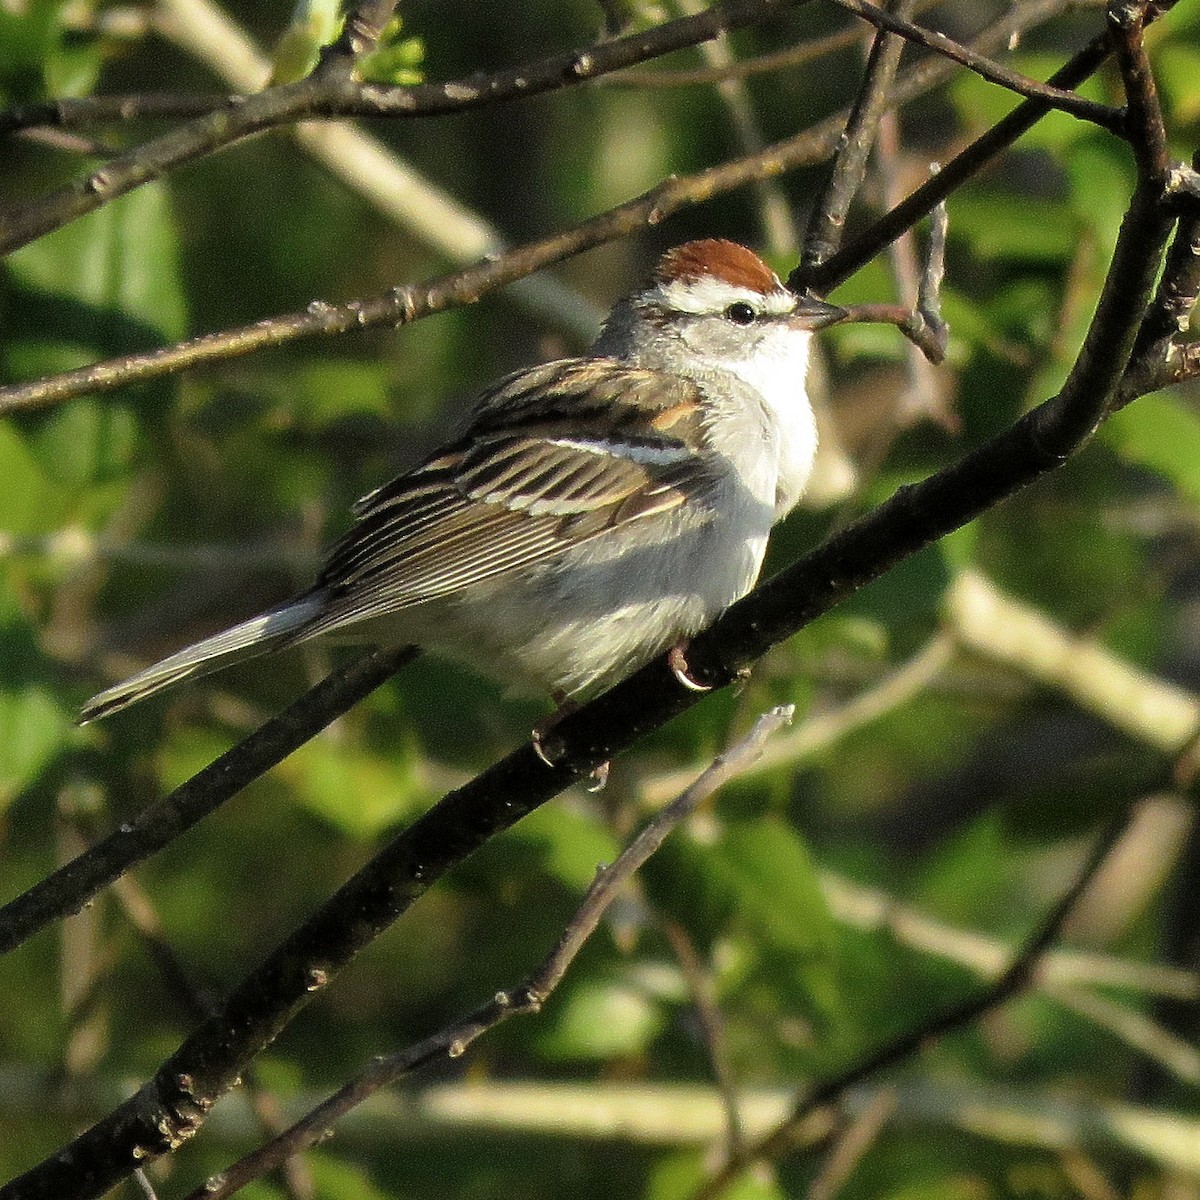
(677, 661)
(549, 748)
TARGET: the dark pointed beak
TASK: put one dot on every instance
(811, 313)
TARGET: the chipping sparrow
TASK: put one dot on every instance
(597, 510)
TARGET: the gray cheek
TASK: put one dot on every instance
(714, 337)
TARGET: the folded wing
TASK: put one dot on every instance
(556, 455)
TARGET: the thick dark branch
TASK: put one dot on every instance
(171, 1106)
(336, 96)
(1160, 356)
(69, 888)
(527, 997)
(1146, 131)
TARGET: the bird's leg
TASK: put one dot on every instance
(677, 661)
(564, 706)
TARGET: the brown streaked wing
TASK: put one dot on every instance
(607, 445)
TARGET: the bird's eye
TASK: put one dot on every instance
(741, 313)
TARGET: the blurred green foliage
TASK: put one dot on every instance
(134, 522)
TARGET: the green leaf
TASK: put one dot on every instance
(120, 264)
(776, 882)
(999, 226)
(33, 723)
(337, 1179)
(352, 787)
(599, 1019)
(1102, 180)
(32, 728)
(678, 1176)
(1177, 67)
(756, 873)
(86, 442)
(29, 36)
(1160, 433)
(571, 844)
(315, 23)
(323, 390)
(28, 502)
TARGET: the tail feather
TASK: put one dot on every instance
(256, 636)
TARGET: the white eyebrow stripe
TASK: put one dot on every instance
(715, 295)
(613, 448)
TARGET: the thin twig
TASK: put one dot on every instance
(69, 888)
(525, 999)
(794, 56)
(712, 1027)
(825, 227)
(374, 170)
(850, 1146)
(907, 320)
(1104, 115)
(1015, 979)
(903, 216)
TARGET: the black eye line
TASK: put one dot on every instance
(741, 313)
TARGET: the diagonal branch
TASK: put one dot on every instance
(171, 1106)
(334, 95)
(780, 1140)
(413, 301)
(824, 233)
(1052, 95)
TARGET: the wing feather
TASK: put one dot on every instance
(555, 456)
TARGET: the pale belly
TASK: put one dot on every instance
(575, 630)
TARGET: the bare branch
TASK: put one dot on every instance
(1061, 98)
(68, 889)
(712, 1029)
(327, 96)
(1014, 980)
(824, 233)
(779, 60)
(849, 1146)
(523, 1000)
(960, 168)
